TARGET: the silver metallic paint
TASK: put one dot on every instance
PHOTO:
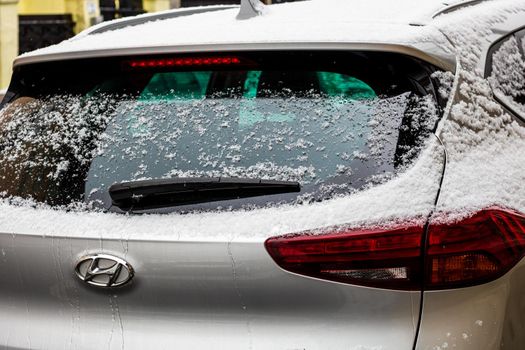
(187, 296)
(428, 52)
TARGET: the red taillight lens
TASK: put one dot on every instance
(378, 258)
(183, 62)
(478, 249)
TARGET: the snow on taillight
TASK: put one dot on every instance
(475, 250)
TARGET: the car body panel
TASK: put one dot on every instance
(489, 316)
(188, 295)
(436, 57)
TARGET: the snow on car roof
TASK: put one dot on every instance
(326, 21)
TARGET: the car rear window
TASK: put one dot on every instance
(332, 121)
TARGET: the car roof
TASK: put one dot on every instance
(314, 24)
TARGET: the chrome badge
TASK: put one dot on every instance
(102, 270)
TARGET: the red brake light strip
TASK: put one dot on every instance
(184, 62)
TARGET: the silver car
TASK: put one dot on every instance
(325, 174)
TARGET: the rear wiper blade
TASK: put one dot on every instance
(161, 193)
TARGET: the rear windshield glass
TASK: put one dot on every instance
(333, 122)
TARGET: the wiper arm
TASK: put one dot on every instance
(161, 193)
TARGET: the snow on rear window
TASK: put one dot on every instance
(67, 149)
(334, 122)
(48, 142)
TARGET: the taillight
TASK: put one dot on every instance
(183, 62)
(475, 250)
(377, 258)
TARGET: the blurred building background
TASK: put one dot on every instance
(27, 25)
